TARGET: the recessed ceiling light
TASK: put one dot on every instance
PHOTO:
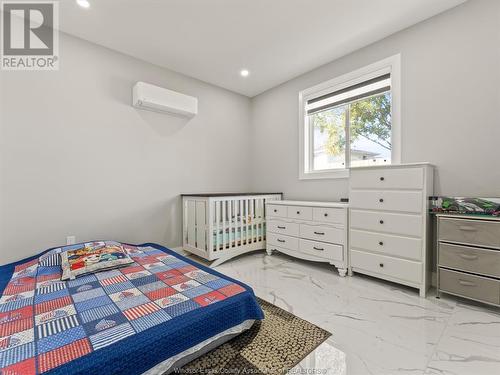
(83, 3)
(244, 73)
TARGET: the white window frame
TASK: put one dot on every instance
(390, 65)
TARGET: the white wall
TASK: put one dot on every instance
(450, 106)
(77, 159)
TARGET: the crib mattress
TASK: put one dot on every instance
(231, 236)
(126, 320)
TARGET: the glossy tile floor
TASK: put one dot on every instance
(377, 327)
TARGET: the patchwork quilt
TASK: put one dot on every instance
(120, 321)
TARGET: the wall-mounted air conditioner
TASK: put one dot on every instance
(158, 99)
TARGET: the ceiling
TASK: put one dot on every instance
(212, 40)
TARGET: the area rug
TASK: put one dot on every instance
(272, 346)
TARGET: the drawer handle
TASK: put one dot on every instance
(318, 248)
(275, 210)
(466, 283)
(381, 243)
(382, 178)
(381, 200)
(320, 233)
(280, 240)
(298, 212)
(381, 265)
(468, 256)
(280, 227)
(381, 221)
(326, 215)
(467, 228)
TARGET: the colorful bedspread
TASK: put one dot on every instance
(121, 321)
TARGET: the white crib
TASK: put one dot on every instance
(218, 227)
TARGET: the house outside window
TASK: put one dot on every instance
(351, 121)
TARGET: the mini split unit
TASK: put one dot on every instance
(157, 99)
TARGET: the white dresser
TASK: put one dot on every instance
(309, 230)
(389, 223)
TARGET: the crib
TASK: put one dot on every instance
(218, 227)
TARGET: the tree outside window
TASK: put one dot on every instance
(365, 124)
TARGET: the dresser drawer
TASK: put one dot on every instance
(275, 210)
(283, 227)
(322, 233)
(402, 201)
(471, 286)
(470, 232)
(281, 240)
(388, 244)
(401, 269)
(486, 262)
(322, 250)
(386, 222)
(300, 212)
(396, 178)
(329, 215)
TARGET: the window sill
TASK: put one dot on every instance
(341, 173)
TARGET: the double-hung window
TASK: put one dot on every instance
(351, 121)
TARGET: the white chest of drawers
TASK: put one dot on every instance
(309, 230)
(389, 223)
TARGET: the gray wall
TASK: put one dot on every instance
(450, 106)
(77, 159)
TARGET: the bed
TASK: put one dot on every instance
(147, 317)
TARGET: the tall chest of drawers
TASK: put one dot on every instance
(389, 223)
(469, 257)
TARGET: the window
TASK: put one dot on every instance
(351, 121)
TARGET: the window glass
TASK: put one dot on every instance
(370, 130)
(329, 138)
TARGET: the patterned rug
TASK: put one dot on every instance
(272, 346)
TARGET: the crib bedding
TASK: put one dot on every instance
(229, 235)
(125, 320)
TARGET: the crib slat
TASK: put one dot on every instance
(231, 224)
(228, 224)
(250, 211)
(235, 223)
(262, 219)
(259, 221)
(224, 223)
(191, 222)
(217, 225)
(240, 204)
(246, 221)
(200, 225)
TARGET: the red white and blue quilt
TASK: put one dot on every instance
(119, 321)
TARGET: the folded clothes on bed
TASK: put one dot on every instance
(121, 321)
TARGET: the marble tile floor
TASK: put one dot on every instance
(377, 327)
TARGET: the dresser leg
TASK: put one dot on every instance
(342, 272)
(269, 251)
(349, 271)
